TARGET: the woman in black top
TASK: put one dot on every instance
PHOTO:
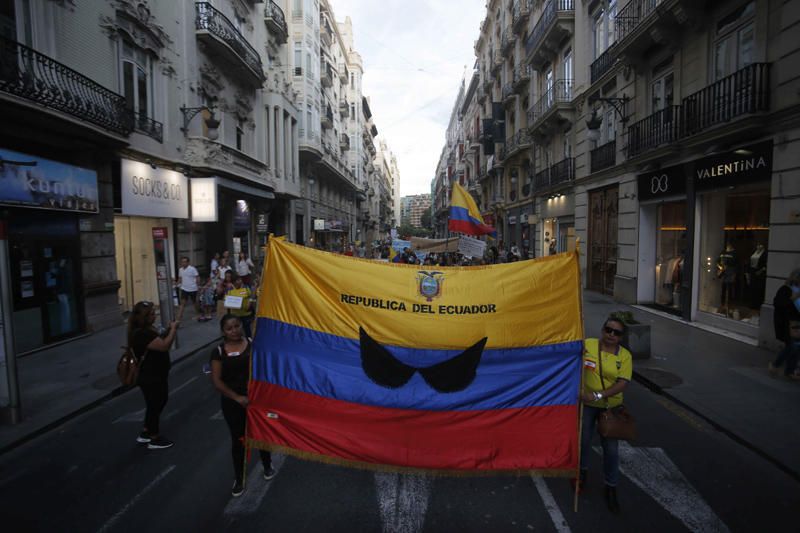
(230, 372)
(786, 310)
(153, 354)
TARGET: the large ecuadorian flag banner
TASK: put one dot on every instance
(395, 366)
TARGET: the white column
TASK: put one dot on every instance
(288, 160)
(295, 151)
(290, 225)
(279, 162)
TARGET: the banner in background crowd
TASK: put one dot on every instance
(411, 367)
(469, 247)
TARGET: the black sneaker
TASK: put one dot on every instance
(269, 473)
(238, 489)
(159, 443)
(611, 499)
(143, 438)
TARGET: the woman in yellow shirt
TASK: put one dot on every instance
(601, 393)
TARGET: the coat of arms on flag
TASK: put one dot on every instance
(387, 366)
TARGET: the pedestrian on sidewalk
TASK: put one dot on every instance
(601, 392)
(787, 309)
(187, 281)
(244, 267)
(230, 371)
(152, 351)
(245, 312)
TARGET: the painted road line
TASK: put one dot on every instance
(655, 473)
(138, 416)
(403, 501)
(114, 519)
(550, 505)
(255, 489)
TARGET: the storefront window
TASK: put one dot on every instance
(733, 258)
(670, 249)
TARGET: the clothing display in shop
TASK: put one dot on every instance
(669, 281)
(756, 277)
(727, 266)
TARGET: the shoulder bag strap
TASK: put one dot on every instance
(600, 363)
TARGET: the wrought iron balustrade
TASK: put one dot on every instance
(557, 174)
(549, 13)
(601, 65)
(28, 74)
(743, 92)
(508, 91)
(630, 16)
(147, 126)
(559, 93)
(604, 156)
(276, 19)
(522, 74)
(211, 20)
(519, 12)
(661, 127)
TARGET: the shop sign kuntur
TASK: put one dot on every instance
(153, 192)
(36, 182)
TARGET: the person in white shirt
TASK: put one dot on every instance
(187, 281)
(244, 268)
(214, 264)
(223, 267)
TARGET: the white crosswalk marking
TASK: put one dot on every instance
(550, 505)
(403, 501)
(653, 472)
(114, 519)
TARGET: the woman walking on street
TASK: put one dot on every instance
(152, 351)
(607, 369)
(787, 309)
(244, 267)
(230, 372)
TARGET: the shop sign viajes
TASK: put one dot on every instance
(153, 192)
(28, 181)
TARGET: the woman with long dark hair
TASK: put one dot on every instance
(152, 351)
(230, 372)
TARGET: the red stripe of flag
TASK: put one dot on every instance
(530, 438)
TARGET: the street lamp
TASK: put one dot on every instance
(211, 122)
(594, 121)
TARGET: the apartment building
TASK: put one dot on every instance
(206, 123)
(413, 208)
(661, 134)
(451, 166)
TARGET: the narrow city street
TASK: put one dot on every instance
(91, 475)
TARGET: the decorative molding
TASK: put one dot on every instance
(70, 4)
(135, 21)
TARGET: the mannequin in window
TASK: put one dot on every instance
(756, 277)
(726, 272)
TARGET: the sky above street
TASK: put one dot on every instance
(415, 54)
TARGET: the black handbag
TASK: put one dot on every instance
(614, 422)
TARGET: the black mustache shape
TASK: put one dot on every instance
(452, 375)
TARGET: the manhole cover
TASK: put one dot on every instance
(661, 378)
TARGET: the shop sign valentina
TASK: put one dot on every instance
(153, 192)
(28, 181)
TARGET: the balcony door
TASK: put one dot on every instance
(603, 226)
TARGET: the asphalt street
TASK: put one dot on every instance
(90, 475)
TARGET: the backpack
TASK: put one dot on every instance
(128, 366)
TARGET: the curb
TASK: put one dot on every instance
(119, 391)
(652, 386)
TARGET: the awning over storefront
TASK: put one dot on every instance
(247, 189)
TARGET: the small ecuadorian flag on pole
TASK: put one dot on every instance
(465, 216)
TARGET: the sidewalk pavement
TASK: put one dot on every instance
(66, 380)
(723, 380)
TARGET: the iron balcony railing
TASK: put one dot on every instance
(662, 127)
(549, 13)
(604, 156)
(559, 93)
(633, 14)
(518, 141)
(519, 12)
(276, 20)
(602, 64)
(507, 40)
(209, 19)
(508, 91)
(557, 174)
(26, 73)
(325, 73)
(743, 92)
(147, 126)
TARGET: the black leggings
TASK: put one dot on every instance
(236, 416)
(155, 398)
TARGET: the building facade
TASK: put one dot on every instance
(210, 123)
(413, 208)
(661, 134)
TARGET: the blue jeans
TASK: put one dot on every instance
(610, 447)
(788, 354)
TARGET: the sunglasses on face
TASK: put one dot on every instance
(612, 331)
